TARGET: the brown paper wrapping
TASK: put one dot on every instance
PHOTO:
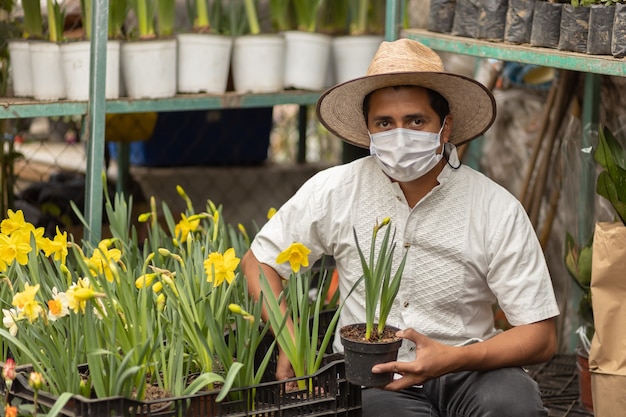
(607, 357)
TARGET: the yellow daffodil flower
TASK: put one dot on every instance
(79, 293)
(102, 258)
(185, 226)
(220, 267)
(14, 221)
(32, 310)
(145, 280)
(14, 247)
(56, 247)
(20, 299)
(296, 254)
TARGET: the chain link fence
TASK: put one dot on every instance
(243, 159)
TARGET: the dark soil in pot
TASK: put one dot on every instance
(361, 355)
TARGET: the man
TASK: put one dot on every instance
(469, 241)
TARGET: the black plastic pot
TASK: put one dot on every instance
(574, 29)
(441, 15)
(618, 41)
(465, 21)
(492, 19)
(546, 27)
(519, 21)
(600, 29)
(361, 356)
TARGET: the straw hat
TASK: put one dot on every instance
(407, 62)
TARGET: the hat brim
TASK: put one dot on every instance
(340, 108)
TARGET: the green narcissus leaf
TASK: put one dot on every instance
(611, 183)
(584, 266)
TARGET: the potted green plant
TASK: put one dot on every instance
(76, 54)
(258, 58)
(32, 28)
(307, 51)
(47, 67)
(297, 330)
(148, 59)
(601, 16)
(374, 341)
(353, 53)
(204, 52)
(596, 269)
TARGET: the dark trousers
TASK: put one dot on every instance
(508, 392)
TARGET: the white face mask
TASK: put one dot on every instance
(406, 154)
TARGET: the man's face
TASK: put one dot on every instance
(403, 107)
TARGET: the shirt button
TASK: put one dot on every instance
(406, 304)
(407, 245)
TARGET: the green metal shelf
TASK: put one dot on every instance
(597, 64)
(11, 108)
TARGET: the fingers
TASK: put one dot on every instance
(410, 334)
(381, 368)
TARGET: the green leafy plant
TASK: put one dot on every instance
(33, 21)
(381, 286)
(56, 19)
(207, 16)
(118, 10)
(166, 11)
(578, 264)
(611, 183)
(306, 13)
(587, 3)
(86, 7)
(252, 15)
(280, 15)
(297, 328)
(144, 12)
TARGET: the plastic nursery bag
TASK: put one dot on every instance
(607, 357)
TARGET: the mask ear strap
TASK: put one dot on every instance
(443, 124)
(448, 160)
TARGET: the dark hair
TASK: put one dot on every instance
(438, 103)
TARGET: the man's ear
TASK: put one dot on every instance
(447, 129)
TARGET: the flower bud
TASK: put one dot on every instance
(8, 370)
(35, 380)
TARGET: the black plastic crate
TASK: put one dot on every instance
(330, 394)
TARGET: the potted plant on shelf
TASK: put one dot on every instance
(19, 49)
(353, 53)
(367, 344)
(204, 52)
(258, 58)
(307, 51)
(76, 54)
(45, 55)
(149, 59)
(601, 15)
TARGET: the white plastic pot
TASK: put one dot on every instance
(149, 68)
(203, 62)
(258, 63)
